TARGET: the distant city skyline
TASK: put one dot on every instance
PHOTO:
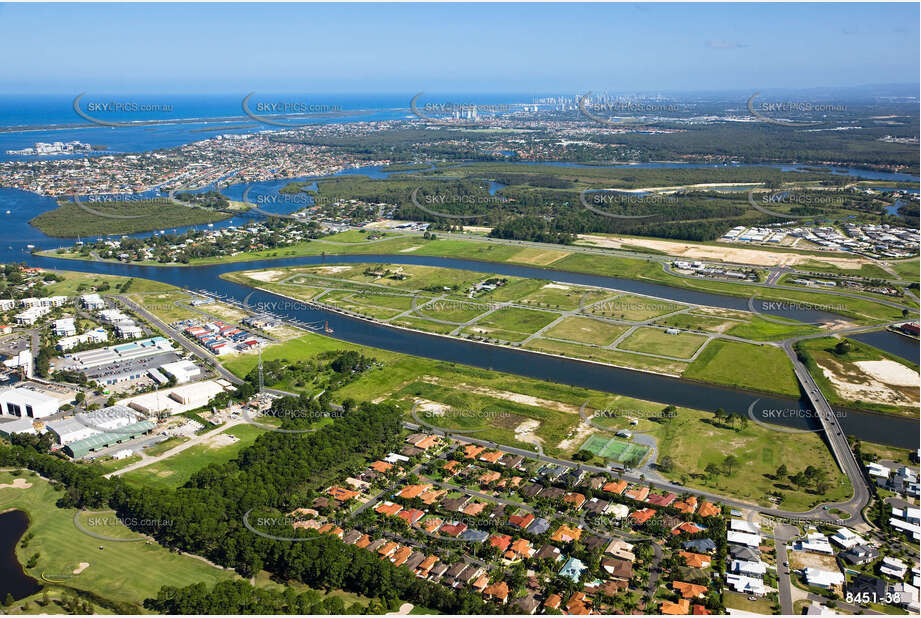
(476, 48)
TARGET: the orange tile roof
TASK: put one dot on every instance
(522, 547)
(491, 456)
(565, 534)
(471, 451)
(700, 610)
(388, 548)
(342, 494)
(553, 601)
(500, 541)
(411, 516)
(427, 442)
(617, 487)
(413, 491)
(642, 516)
(516, 481)
(522, 521)
(499, 590)
(576, 605)
(325, 528)
(708, 509)
(480, 582)
(640, 493)
(490, 476)
(401, 555)
(474, 508)
(689, 591)
(381, 466)
(681, 608)
(699, 561)
(388, 508)
(688, 527)
(431, 525)
(426, 565)
(686, 506)
(363, 542)
(575, 499)
(431, 496)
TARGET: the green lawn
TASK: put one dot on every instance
(124, 573)
(635, 308)
(908, 270)
(512, 323)
(656, 341)
(176, 470)
(743, 365)
(69, 220)
(164, 306)
(91, 282)
(612, 357)
(586, 330)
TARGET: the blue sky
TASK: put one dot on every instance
(528, 48)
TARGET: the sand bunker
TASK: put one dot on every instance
(265, 275)
(81, 568)
(17, 484)
(557, 286)
(890, 372)
(404, 610)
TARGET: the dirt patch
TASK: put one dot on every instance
(432, 408)
(557, 286)
(803, 559)
(265, 275)
(331, 270)
(890, 372)
(221, 440)
(739, 255)
(578, 435)
(407, 250)
(81, 568)
(525, 432)
(526, 400)
(17, 484)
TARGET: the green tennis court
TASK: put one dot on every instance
(615, 450)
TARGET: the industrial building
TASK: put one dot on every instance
(91, 431)
(183, 371)
(126, 361)
(176, 400)
(23, 402)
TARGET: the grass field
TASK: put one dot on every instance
(91, 282)
(908, 270)
(125, 573)
(744, 365)
(176, 470)
(164, 306)
(638, 308)
(656, 341)
(511, 324)
(586, 330)
(693, 440)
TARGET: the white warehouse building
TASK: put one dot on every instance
(183, 370)
(26, 403)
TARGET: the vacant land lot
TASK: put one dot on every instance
(586, 330)
(176, 470)
(511, 324)
(169, 307)
(656, 341)
(745, 365)
(69, 220)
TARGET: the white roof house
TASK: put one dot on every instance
(751, 569)
(743, 526)
(847, 538)
(815, 542)
(822, 578)
(744, 584)
(875, 469)
(893, 567)
(743, 538)
(65, 327)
